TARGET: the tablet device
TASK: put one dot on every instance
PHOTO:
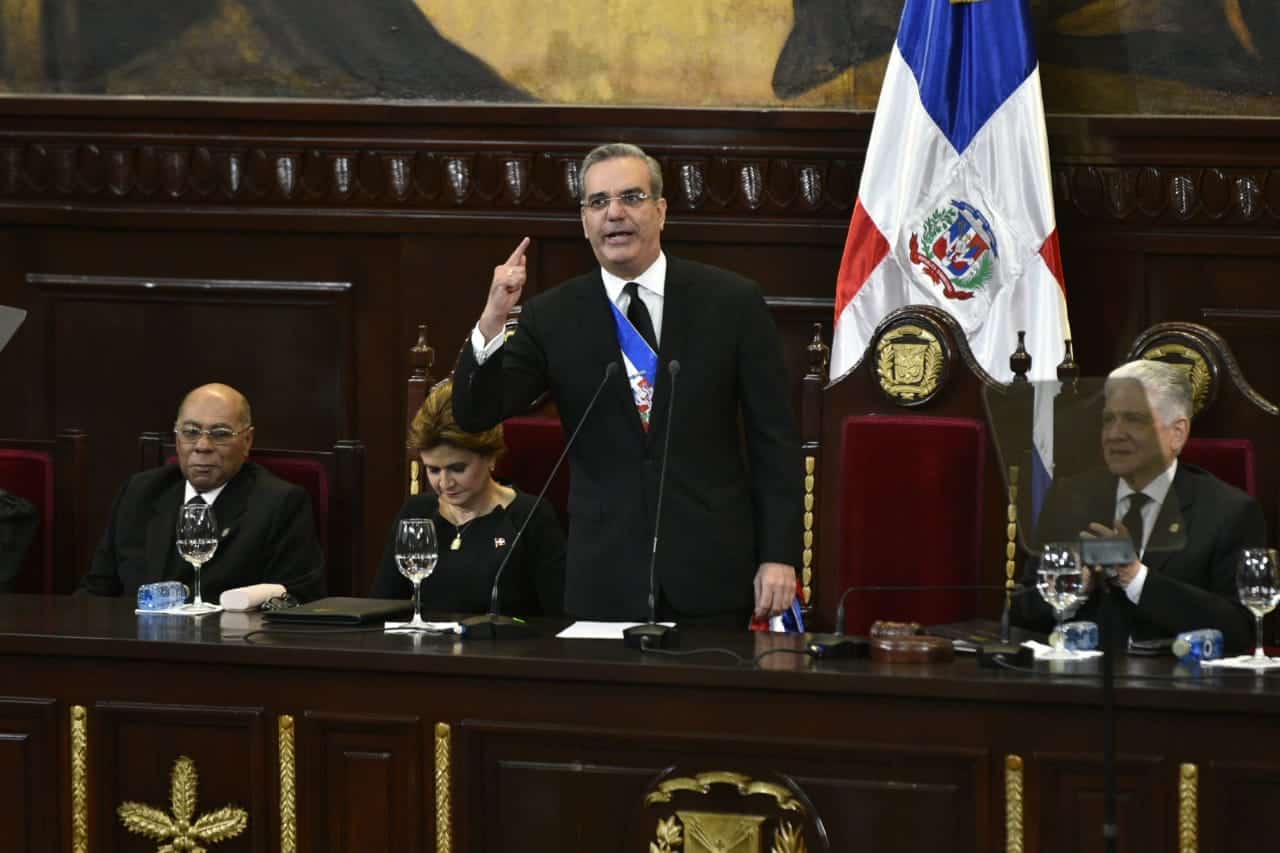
(342, 611)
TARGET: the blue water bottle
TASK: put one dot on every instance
(1200, 645)
(161, 596)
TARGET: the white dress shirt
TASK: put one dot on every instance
(209, 496)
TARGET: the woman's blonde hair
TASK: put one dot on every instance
(434, 425)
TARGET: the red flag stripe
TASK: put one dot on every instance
(1053, 259)
(864, 249)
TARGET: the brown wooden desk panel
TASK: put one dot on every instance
(362, 741)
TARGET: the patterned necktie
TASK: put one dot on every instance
(639, 316)
(1133, 519)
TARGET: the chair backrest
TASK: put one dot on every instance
(910, 510)
(683, 810)
(53, 477)
(1228, 459)
(334, 480)
(534, 443)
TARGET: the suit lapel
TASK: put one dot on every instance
(1173, 526)
(162, 531)
(232, 504)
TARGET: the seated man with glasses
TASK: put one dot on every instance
(266, 532)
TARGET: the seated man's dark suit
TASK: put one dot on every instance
(728, 505)
(266, 535)
(1190, 570)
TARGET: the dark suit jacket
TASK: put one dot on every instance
(532, 584)
(733, 496)
(1190, 574)
(267, 536)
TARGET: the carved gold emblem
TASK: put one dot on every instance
(1191, 362)
(909, 362)
(182, 829)
(690, 831)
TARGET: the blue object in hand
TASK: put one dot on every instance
(1199, 645)
(161, 596)
(1078, 636)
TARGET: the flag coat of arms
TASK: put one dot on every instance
(955, 205)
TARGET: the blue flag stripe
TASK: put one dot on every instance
(635, 347)
(967, 59)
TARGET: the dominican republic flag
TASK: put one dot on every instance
(955, 208)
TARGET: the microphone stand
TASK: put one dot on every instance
(652, 635)
(493, 625)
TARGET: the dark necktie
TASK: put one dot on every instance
(1133, 519)
(198, 500)
(639, 316)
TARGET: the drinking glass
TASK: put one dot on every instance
(416, 555)
(197, 540)
(1060, 581)
(1258, 585)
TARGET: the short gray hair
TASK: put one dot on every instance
(1168, 388)
(613, 151)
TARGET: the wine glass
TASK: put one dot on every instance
(1060, 581)
(197, 540)
(1258, 585)
(416, 555)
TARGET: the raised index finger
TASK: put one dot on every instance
(517, 257)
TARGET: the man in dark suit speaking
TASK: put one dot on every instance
(732, 503)
(1188, 526)
(266, 530)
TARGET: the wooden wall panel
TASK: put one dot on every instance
(29, 762)
(134, 748)
(362, 783)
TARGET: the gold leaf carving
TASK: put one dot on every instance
(788, 839)
(668, 837)
(1013, 804)
(79, 780)
(1188, 809)
(145, 820)
(444, 807)
(288, 790)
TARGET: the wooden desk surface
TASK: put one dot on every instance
(580, 727)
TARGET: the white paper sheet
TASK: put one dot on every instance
(600, 630)
(437, 627)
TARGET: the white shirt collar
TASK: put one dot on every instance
(1157, 489)
(653, 279)
(209, 496)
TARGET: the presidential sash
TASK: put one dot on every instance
(641, 363)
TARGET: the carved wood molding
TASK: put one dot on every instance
(1168, 194)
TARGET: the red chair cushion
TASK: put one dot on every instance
(533, 445)
(29, 475)
(910, 515)
(1228, 459)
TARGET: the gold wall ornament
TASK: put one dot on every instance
(1192, 362)
(1011, 539)
(288, 788)
(186, 834)
(909, 364)
(788, 839)
(701, 784)
(415, 477)
(444, 820)
(717, 832)
(79, 779)
(806, 562)
(1188, 809)
(668, 838)
(1013, 804)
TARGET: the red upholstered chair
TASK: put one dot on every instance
(335, 481)
(53, 477)
(1228, 459)
(534, 443)
(910, 510)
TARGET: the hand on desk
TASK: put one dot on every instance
(775, 587)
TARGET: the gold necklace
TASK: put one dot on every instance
(456, 544)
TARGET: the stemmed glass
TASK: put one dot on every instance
(1258, 585)
(416, 555)
(197, 540)
(1060, 581)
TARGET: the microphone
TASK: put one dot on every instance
(493, 625)
(654, 635)
(839, 645)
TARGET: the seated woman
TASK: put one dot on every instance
(476, 520)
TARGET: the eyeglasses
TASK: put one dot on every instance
(218, 435)
(630, 198)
